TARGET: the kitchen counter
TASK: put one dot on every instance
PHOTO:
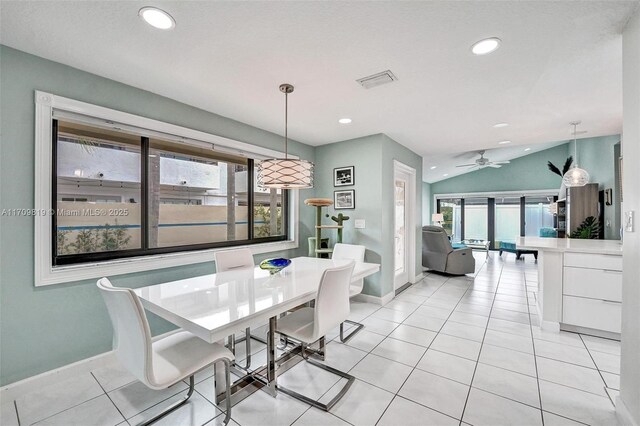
(579, 284)
(609, 247)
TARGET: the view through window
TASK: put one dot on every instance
(120, 194)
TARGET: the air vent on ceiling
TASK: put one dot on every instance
(378, 79)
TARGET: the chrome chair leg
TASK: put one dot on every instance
(352, 333)
(313, 402)
(247, 342)
(227, 374)
(173, 406)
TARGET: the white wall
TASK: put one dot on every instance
(628, 405)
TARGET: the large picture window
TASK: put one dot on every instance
(122, 193)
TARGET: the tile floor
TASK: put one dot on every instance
(447, 351)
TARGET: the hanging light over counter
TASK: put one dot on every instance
(285, 173)
(575, 176)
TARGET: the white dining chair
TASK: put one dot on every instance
(356, 253)
(309, 325)
(229, 260)
(166, 361)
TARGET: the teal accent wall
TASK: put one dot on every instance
(426, 203)
(525, 173)
(373, 158)
(597, 156)
(48, 327)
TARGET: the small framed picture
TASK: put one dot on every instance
(343, 176)
(344, 199)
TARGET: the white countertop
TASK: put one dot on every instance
(611, 247)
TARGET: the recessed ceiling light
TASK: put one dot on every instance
(433, 167)
(498, 125)
(503, 142)
(446, 174)
(485, 46)
(157, 18)
(527, 149)
(344, 121)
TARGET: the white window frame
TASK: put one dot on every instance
(46, 273)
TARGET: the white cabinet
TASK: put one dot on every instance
(592, 291)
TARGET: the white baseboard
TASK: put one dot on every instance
(17, 389)
(20, 388)
(367, 298)
(623, 413)
(417, 278)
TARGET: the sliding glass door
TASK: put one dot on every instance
(537, 215)
(507, 223)
(451, 210)
(476, 217)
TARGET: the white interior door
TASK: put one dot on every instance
(404, 224)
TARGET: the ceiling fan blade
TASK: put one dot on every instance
(502, 162)
(466, 165)
(494, 165)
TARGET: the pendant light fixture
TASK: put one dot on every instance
(285, 173)
(575, 176)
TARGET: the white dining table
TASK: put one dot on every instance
(218, 305)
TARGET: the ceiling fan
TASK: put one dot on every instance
(485, 162)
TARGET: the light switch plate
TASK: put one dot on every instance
(359, 224)
(628, 221)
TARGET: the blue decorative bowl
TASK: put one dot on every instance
(274, 265)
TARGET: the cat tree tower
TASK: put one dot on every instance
(319, 203)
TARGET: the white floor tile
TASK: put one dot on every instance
(486, 409)
(260, 409)
(435, 392)
(509, 359)
(415, 335)
(456, 346)
(316, 417)
(447, 365)
(408, 413)
(98, 411)
(577, 405)
(571, 375)
(342, 357)
(390, 315)
(197, 411)
(362, 405)
(611, 380)
(509, 341)
(504, 314)
(601, 345)
(433, 311)
(510, 327)
(551, 419)
(426, 322)
(562, 352)
(380, 326)
(474, 309)
(58, 397)
(113, 376)
(404, 306)
(365, 340)
(470, 319)
(397, 350)
(510, 306)
(465, 331)
(381, 372)
(508, 384)
(134, 398)
(607, 362)
(8, 414)
(564, 337)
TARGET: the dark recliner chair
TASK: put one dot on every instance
(438, 255)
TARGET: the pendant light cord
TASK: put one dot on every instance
(286, 124)
(575, 142)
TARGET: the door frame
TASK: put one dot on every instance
(411, 219)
